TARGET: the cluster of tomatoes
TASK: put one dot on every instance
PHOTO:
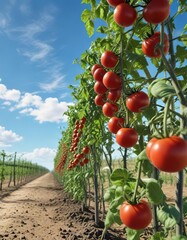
(63, 158)
(78, 158)
(155, 12)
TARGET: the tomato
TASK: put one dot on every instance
(169, 154)
(100, 88)
(127, 137)
(115, 124)
(149, 45)
(83, 120)
(136, 216)
(114, 3)
(114, 95)
(98, 74)
(125, 15)
(94, 67)
(100, 100)
(149, 146)
(85, 160)
(86, 150)
(109, 59)
(111, 80)
(157, 11)
(109, 109)
(137, 101)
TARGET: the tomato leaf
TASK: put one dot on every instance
(109, 220)
(89, 27)
(179, 238)
(133, 234)
(158, 236)
(154, 192)
(119, 176)
(161, 89)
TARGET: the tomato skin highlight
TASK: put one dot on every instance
(136, 102)
(126, 137)
(125, 15)
(169, 154)
(111, 80)
(109, 109)
(137, 216)
(109, 59)
(157, 11)
(149, 45)
(114, 3)
(115, 124)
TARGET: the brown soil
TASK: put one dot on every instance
(41, 210)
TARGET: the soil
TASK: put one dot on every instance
(42, 210)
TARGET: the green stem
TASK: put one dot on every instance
(166, 110)
(137, 182)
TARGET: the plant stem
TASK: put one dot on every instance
(137, 182)
(166, 110)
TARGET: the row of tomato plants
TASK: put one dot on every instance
(138, 47)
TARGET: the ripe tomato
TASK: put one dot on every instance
(111, 80)
(114, 95)
(98, 74)
(100, 100)
(100, 88)
(127, 137)
(109, 109)
(125, 15)
(109, 59)
(157, 11)
(115, 124)
(168, 154)
(114, 3)
(94, 67)
(136, 216)
(85, 160)
(149, 45)
(136, 102)
(86, 150)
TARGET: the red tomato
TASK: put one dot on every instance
(149, 45)
(115, 124)
(169, 154)
(136, 102)
(114, 95)
(109, 59)
(149, 146)
(114, 3)
(157, 11)
(100, 88)
(109, 109)
(83, 120)
(98, 74)
(136, 216)
(111, 80)
(94, 67)
(127, 137)
(125, 15)
(85, 160)
(100, 100)
(86, 150)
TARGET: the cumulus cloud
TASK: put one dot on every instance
(7, 137)
(9, 94)
(43, 156)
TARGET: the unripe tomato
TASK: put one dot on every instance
(125, 15)
(114, 3)
(169, 154)
(98, 74)
(114, 95)
(94, 67)
(137, 101)
(126, 137)
(100, 88)
(100, 100)
(115, 124)
(149, 45)
(109, 109)
(111, 80)
(109, 59)
(157, 11)
(136, 216)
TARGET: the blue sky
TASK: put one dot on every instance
(39, 39)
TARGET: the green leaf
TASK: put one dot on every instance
(89, 27)
(109, 220)
(142, 156)
(154, 192)
(133, 234)
(179, 238)
(161, 89)
(110, 194)
(115, 204)
(119, 176)
(86, 15)
(119, 191)
(185, 206)
(117, 218)
(181, 53)
(158, 236)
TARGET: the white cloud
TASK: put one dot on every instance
(7, 137)
(56, 83)
(29, 99)
(42, 156)
(9, 94)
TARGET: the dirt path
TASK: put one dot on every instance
(40, 210)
